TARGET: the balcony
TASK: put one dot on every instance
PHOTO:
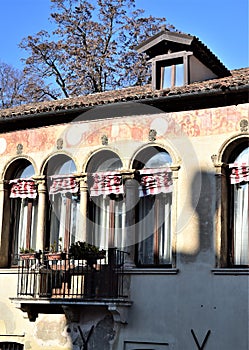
(50, 284)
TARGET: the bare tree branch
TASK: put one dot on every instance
(91, 49)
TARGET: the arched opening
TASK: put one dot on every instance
(153, 211)
(237, 157)
(106, 206)
(20, 209)
(63, 203)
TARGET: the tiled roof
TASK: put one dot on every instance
(239, 77)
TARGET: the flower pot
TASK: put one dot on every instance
(56, 256)
(27, 256)
(30, 255)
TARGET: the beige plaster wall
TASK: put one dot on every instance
(190, 137)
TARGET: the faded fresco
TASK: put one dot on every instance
(202, 122)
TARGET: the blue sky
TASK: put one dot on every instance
(220, 24)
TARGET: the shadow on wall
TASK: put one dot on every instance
(203, 201)
(97, 336)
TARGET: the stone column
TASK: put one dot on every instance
(5, 223)
(221, 243)
(2, 190)
(41, 214)
(83, 209)
(175, 169)
(131, 199)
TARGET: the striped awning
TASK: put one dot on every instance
(23, 188)
(63, 184)
(155, 181)
(239, 173)
(106, 183)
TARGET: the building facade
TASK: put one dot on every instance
(143, 192)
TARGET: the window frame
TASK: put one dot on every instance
(169, 59)
(11, 346)
(15, 218)
(65, 231)
(104, 161)
(145, 156)
(137, 345)
(224, 236)
(59, 165)
(231, 213)
(20, 169)
(156, 237)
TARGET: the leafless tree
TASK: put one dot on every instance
(16, 88)
(91, 48)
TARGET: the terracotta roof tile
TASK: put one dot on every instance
(239, 77)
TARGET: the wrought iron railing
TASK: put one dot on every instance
(44, 276)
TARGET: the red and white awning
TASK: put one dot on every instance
(239, 173)
(106, 183)
(23, 188)
(155, 181)
(63, 184)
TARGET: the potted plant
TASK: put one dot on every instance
(29, 253)
(55, 251)
(86, 251)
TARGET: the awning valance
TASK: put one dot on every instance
(63, 184)
(106, 183)
(239, 173)
(155, 181)
(23, 188)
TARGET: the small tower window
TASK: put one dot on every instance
(180, 59)
(173, 76)
(170, 70)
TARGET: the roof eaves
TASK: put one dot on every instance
(238, 78)
(164, 35)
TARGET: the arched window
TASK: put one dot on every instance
(63, 210)
(154, 207)
(238, 211)
(106, 206)
(23, 208)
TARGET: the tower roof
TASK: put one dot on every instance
(169, 42)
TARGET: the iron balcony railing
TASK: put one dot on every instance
(44, 276)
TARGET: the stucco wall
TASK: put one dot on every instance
(166, 306)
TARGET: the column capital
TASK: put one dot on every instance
(220, 168)
(175, 167)
(80, 175)
(82, 179)
(127, 174)
(39, 178)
